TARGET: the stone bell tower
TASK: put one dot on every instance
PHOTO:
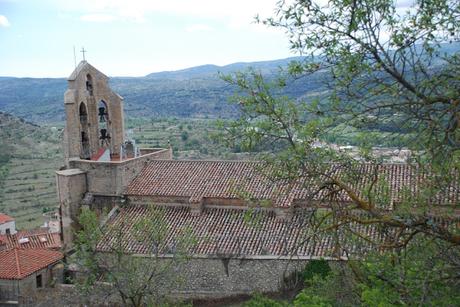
(94, 126)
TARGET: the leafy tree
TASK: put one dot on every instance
(425, 273)
(387, 70)
(386, 62)
(136, 280)
(376, 77)
(184, 136)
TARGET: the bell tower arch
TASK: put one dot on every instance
(94, 116)
(85, 146)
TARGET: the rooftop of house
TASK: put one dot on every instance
(39, 238)
(226, 232)
(198, 181)
(18, 263)
(5, 218)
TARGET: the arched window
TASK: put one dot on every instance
(83, 112)
(85, 150)
(104, 129)
(89, 84)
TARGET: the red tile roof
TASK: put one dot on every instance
(5, 218)
(197, 180)
(18, 263)
(35, 239)
(226, 232)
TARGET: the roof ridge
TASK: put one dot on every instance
(219, 160)
(261, 161)
(18, 265)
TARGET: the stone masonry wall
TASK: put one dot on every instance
(71, 187)
(200, 279)
(216, 278)
(25, 291)
(112, 178)
(78, 94)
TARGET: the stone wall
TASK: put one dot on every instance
(9, 290)
(106, 181)
(112, 178)
(200, 279)
(222, 277)
(25, 291)
(71, 187)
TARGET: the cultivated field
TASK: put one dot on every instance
(29, 157)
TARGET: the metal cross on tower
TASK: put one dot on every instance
(83, 51)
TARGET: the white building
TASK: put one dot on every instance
(7, 224)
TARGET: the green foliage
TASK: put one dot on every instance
(391, 78)
(424, 273)
(379, 78)
(316, 267)
(259, 300)
(184, 136)
(138, 281)
(303, 299)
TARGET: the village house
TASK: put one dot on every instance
(7, 224)
(25, 270)
(29, 260)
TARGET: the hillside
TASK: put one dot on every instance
(192, 92)
(29, 156)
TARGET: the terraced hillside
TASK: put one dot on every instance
(190, 138)
(29, 156)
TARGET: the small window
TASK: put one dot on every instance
(8, 231)
(39, 280)
(89, 84)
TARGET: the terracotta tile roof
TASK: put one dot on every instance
(226, 232)
(32, 239)
(5, 218)
(18, 263)
(197, 180)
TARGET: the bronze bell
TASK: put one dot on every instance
(102, 114)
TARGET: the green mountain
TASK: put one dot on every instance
(192, 92)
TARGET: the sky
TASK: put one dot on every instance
(134, 37)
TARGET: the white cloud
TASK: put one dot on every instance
(4, 21)
(199, 28)
(235, 12)
(98, 17)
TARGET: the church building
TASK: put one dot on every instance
(251, 233)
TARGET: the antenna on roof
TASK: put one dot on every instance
(74, 57)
